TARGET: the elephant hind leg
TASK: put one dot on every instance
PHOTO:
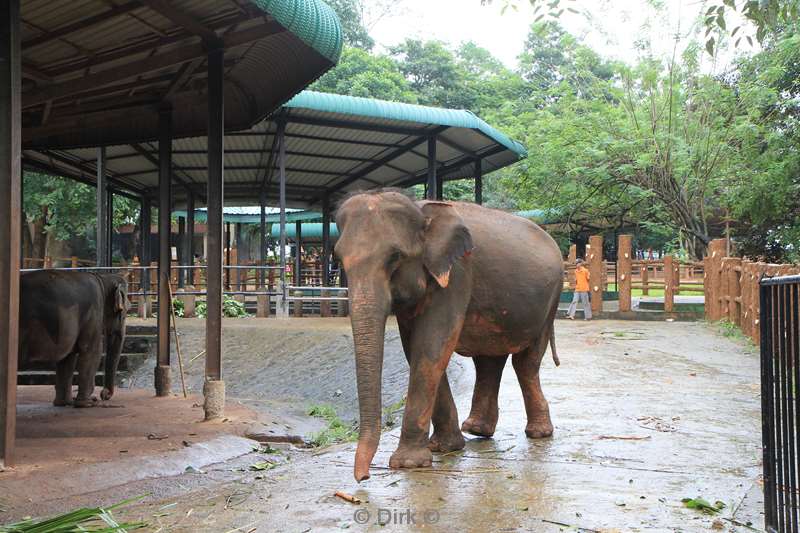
(65, 369)
(526, 364)
(88, 363)
(483, 416)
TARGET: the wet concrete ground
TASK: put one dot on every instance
(645, 414)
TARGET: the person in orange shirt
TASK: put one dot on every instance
(581, 291)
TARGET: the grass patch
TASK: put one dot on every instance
(337, 430)
(390, 413)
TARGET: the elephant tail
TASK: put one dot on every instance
(556, 360)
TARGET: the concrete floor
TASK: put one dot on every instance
(645, 414)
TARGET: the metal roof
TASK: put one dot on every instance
(96, 72)
(334, 144)
(252, 215)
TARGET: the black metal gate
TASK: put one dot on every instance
(780, 380)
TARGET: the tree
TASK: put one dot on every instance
(59, 208)
(360, 73)
(350, 16)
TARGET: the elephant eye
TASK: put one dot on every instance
(394, 259)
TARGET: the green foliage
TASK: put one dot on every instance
(700, 504)
(360, 73)
(230, 308)
(179, 307)
(94, 520)
(337, 430)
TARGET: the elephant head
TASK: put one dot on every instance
(115, 309)
(393, 251)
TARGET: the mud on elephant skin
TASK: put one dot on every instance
(65, 319)
(459, 278)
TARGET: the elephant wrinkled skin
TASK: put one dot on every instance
(65, 317)
(459, 278)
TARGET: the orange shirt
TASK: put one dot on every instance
(581, 279)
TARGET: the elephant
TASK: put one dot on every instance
(64, 319)
(459, 278)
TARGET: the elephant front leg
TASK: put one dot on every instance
(88, 363)
(65, 369)
(446, 436)
(434, 337)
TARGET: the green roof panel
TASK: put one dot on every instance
(313, 21)
(397, 111)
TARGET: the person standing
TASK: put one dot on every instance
(581, 291)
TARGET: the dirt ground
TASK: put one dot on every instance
(645, 414)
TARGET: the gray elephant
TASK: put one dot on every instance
(459, 278)
(65, 317)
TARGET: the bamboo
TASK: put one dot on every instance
(177, 340)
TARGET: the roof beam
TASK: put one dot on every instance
(154, 161)
(80, 25)
(61, 171)
(35, 73)
(202, 168)
(181, 18)
(386, 159)
(375, 144)
(254, 151)
(149, 64)
(86, 167)
(182, 76)
(418, 177)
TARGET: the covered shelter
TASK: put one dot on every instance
(312, 151)
(141, 73)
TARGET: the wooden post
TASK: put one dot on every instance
(10, 221)
(298, 304)
(712, 279)
(734, 290)
(74, 262)
(669, 284)
(573, 255)
(262, 305)
(624, 261)
(188, 304)
(325, 305)
(48, 262)
(645, 270)
(594, 257)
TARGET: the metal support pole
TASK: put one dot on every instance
(189, 245)
(262, 232)
(110, 229)
(284, 307)
(181, 250)
(145, 222)
(101, 193)
(326, 241)
(214, 388)
(298, 254)
(239, 249)
(227, 255)
(162, 375)
(479, 182)
(432, 181)
(10, 207)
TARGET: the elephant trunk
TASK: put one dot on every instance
(369, 303)
(114, 342)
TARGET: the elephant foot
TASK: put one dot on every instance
(539, 430)
(59, 402)
(87, 402)
(106, 394)
(446, 443)
(410, 458)
(478, 427)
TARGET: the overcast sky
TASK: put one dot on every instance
(611, 27)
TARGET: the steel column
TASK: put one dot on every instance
(479, 182)
(10, 229)
(432, 185)
(238, 273)
(145, 222)
(110, 228)
(189, 245)
(326, 241)
(181, 249)
(163, 386)
(215, 195)
(262, 232)
(101, 194)
(282, 202)
(227, 271)
(298, 255)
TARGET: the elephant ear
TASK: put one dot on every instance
(119, 299)
(447, 240)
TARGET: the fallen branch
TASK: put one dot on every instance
(347, 497)
(615, 437)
